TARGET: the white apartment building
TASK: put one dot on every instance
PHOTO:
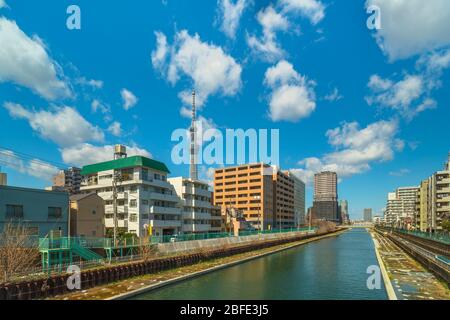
(198, 211)
(401, 206)
(146, 202)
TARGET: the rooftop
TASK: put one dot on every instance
(129, 162)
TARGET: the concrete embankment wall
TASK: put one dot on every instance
(57, 285)
(197, 245)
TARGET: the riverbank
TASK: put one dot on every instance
(128, 288)
(404, 277)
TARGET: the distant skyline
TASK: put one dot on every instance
(371, 105)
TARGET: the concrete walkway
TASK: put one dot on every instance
(410, 281)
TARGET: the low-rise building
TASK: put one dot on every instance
(146, 202)
(87, 215)
(196, 203)
(3, 179)
(43, 213)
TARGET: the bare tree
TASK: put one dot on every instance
(19, 252)
(147, 249)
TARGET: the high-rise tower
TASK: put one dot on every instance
(193, 173)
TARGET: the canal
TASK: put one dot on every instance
(332, 268)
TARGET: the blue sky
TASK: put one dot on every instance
(370, 104)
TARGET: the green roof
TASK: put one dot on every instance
(136, 161)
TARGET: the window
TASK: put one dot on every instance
(144, 174)
(133, 189)
(144, 202)
(54, 212)
(157, 176)
(133, 203)
(133, 217)
(14, 211)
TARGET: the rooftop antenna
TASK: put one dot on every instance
(193, 173)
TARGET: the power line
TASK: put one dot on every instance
(29, 156)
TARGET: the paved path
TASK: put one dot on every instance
(409, 279)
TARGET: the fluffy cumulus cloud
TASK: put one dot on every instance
(24, 61)
(292, 96)
(409, 95)
(409, 28)
(280, 18)
(231, 12)
(86, 153)
(312, 9)
(267, 47)
(355, 149)
(33, 167)
(64, 125)
(128, 98)
(3, 4)
(211, 70)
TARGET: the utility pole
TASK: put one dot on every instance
(115, 206)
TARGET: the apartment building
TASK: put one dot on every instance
(368, 215)
(42, 213)
(283, 200)
(423, 206)
(433, 201)
(147, 203)
(299, 199)
(68, 180)
(325, 205)
(198, 211)
(393, 209)
(248, 189)
(401, 206)
(343, 211)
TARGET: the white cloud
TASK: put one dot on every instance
(408, 96)
(409, 28)
(3, 4)
(115, 129)
(355, 149)
(95, 84)
(25, 61)
(400, 173)
(208, 66)
(267, 47)
(159, 56)
(128, 98)
(64, 125)
(97, 105)
(292, 96)
(86, 153)
(312, 9)
(34, 167)
(334, 96)
(231, 12)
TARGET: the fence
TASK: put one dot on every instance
(440, 237)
